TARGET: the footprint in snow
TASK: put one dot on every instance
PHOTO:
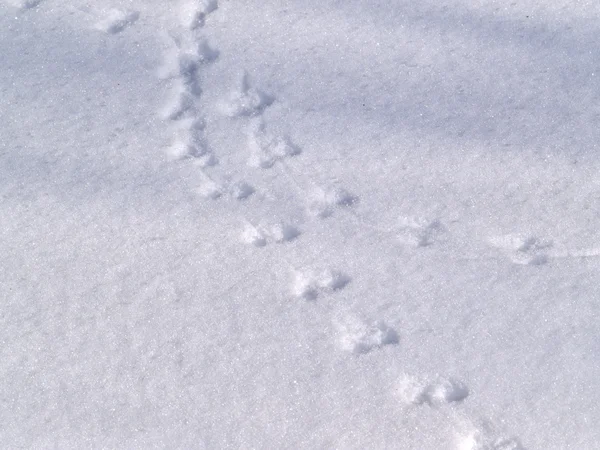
(522, 249)
(361, 337)
(193, 13)
(116, 20)
(266, 149)
(211, 189)
(245, 100)
(323, 202)
(186, 59)
(182, 66)
(418, 232)
(179, 103)
(260, 235)
(240, 190)
(309, 284)
(190, 143)
(481, 440)
(416, 391)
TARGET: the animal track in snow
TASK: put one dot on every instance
(25, 4)
(193, 13)
(212, 189)
(418, 232)
(241, 190)
(245, 100)
(266, 149)
(524, 250)
(186, 58)
(477, 440)
(310, 284)
(116, 20)
(440, 391)
(182, 66)
(190, 142)
(360, 337)
(260, 235)
(180, 101)
(322, 203)
(254, 236)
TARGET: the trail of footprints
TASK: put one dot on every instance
(191, 52)
(182, 67)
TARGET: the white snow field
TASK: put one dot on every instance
(300, 224)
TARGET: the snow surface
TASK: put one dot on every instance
(300, 224)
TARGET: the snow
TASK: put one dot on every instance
(299, 224)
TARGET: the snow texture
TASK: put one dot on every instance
(299, 224)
